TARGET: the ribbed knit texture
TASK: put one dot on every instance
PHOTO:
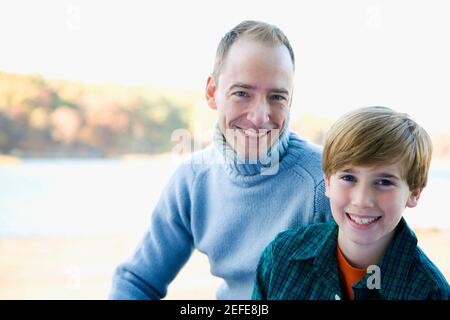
(236, 166)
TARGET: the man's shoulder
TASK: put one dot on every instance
(308, 157)
(307, 148)
(199, 161)
(194, 165)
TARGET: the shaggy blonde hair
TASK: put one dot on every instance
(374, 136)
(256, 30)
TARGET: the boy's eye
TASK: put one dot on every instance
(384, 182)
(348, 177)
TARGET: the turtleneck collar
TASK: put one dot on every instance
(235, 165)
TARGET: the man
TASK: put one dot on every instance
(231, 199)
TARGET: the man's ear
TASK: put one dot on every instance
(211, 88)
(414, 198)
(327, 185)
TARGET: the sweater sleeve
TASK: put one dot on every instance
(165, 248)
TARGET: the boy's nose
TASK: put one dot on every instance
(259, 114)
(362, 197)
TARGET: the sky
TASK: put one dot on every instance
(349, 54)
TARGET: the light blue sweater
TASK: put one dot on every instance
(230, 212)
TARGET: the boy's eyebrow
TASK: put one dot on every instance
(250, 87)
(381, 175)
(388, 175)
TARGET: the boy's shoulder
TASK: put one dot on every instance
(408, 273)
(428, 276)
(304, 242)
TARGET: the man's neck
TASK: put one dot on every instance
(235, 165)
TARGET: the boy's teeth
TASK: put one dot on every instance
(359, 220)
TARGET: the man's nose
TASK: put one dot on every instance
(259, 113)
(362, 196)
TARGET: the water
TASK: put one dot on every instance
(79, 197)
(112, 197)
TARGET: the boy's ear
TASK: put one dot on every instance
(414, 198)
(211, 88)
(327, 185)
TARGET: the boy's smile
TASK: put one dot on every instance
(362, 221)
(367, 204)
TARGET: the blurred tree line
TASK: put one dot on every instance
(40, 117)
(51, 118)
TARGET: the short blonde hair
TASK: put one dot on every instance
(256, 30)
(377, 136)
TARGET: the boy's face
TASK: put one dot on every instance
(252, 95)
(367, 202)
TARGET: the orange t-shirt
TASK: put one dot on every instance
(348, 274)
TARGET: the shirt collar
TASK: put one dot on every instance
(394, 265)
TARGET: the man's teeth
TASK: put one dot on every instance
(253, 133)
(360, 220)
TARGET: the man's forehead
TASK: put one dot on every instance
(245, 50)
(256, 79)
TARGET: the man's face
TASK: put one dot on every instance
(367, 203)
(252, 95)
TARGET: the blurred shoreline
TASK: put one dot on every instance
(14, 160)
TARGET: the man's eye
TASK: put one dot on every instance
(277, 97)
(348, 177)
(240, 93)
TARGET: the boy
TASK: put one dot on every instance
(375, 164)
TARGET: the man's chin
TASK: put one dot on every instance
(249, 149)
(252, 155)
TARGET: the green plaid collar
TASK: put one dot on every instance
(394, 265)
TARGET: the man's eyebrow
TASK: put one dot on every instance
(280, 90)
(250, 87)
(240, 85)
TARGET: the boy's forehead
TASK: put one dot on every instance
(392, 169)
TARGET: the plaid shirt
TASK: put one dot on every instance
(301, 264)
